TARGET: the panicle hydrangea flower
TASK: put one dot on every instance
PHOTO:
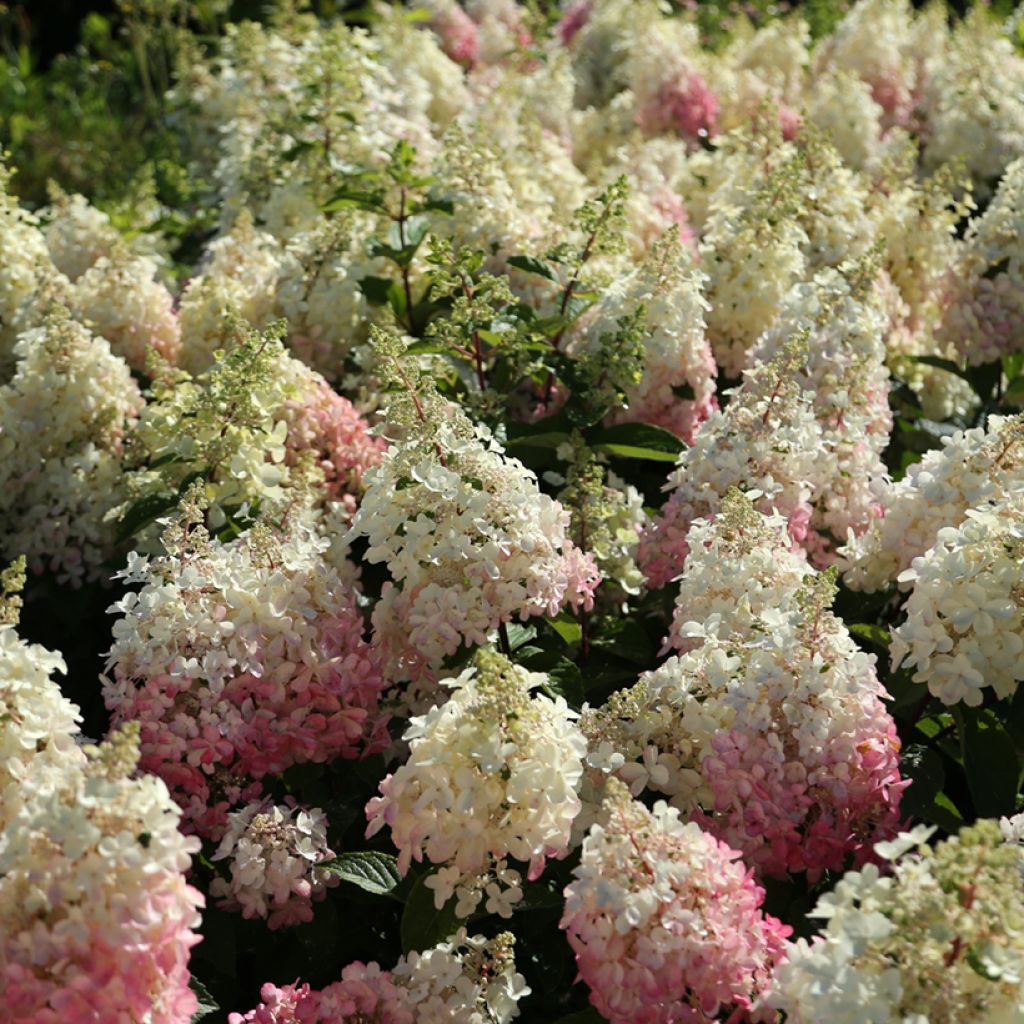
(874, 42)
(469, 540)
(841, 316)
(670, 94)
(321, 421)
(972, 467)
(239, 276)
(431, 81)
(318, 291)
(772, 731)
(741, 565)
(274, 851)
(465, 980)
(96, 918)
(654, 209)
(119, 298)
(665, 921)
(240, 659)
(77, 234)
(677, 388)
(63, 419)
(766, 439)
(38, 724)
(753, 251)
(973, 102)
(841, 107)
(258, 426)
(964, 630)
(500, 28)
(492, 773)
(455, 29)
(939, 940)
(984, 315)
(25, 267)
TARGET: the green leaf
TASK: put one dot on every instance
(552, 440)
(941, 364)
(924, 767)
(532, 265)
(423, 925)
(660, 444)
(375, 289)
(567, 628)
(878, 636)
(990, 761)
(143, 512)
(629, 451)
(985, 378)
(1015, 392)
(207, 1004)
(435, 205)
(370, 870)
(363, 199)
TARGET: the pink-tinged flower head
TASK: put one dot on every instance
(492, 773)
(469, 540)
(457, 32)
(766, 439)
(96, 918)
(790, 122)
(575, 18)
(240, 660)
(321, 421)
(685, 105)
(665, 921)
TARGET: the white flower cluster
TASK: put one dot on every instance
(63, 418)
(938, 940)
(77, 234)
(469, 540)
(492, 773)
(774, 725)
(678, 383)
(973, 98)
(752, 260)
(741, 567)
(973, 467)
(25, 271)
(274, 852)
(846, 376)
(665, 919)
(240, 659)
(984, 318)
(964, 630)
(38, 723)
(239, 276)
(318, 291)
(119, 298)
(767, 440)
(466, 980)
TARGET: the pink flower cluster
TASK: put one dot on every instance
(325, 423)
(240, 660)
(666, 922)
(96, 918)
(683, 104)
(790, 814)
(365, 993)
